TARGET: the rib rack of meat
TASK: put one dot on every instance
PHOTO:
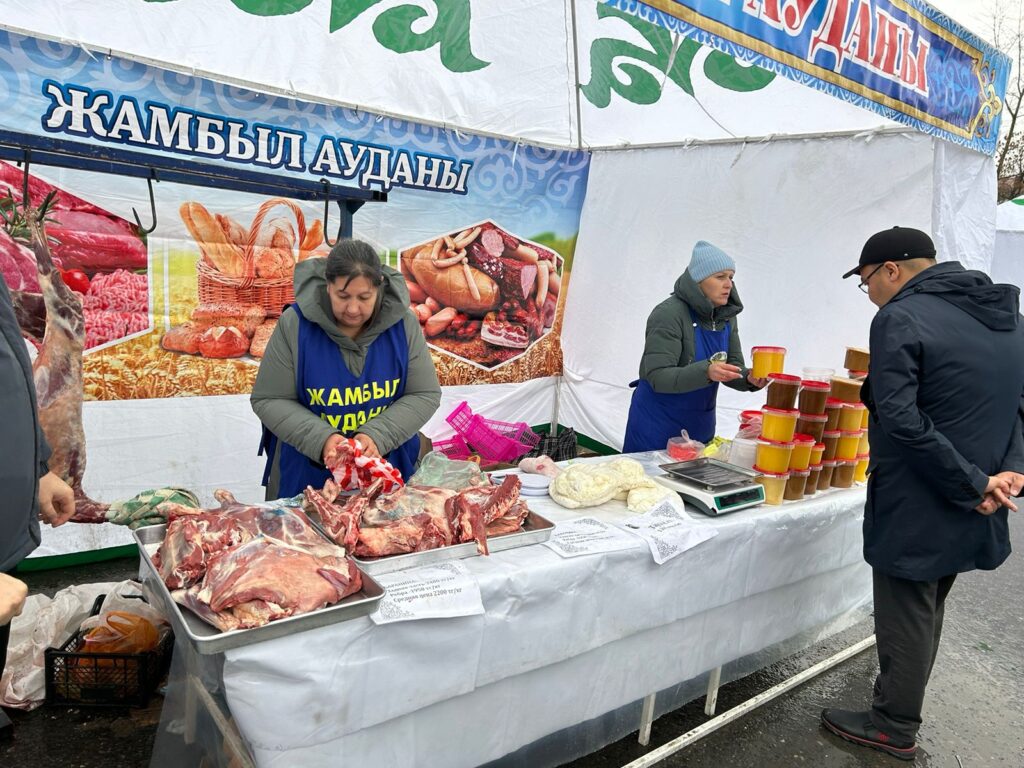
(416, 518)
(243, 565)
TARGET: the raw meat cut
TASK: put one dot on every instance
(243, 565)
(417, 518)
(297, 579)
(57, 372)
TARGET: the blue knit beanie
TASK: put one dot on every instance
(708, 260)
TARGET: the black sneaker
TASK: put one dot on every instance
(857, 728)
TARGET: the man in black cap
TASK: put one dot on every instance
(946, 453)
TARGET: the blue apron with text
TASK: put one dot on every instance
(654, 417)
(324, 385)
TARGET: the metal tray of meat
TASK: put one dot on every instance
(207, 639)
(535, 530)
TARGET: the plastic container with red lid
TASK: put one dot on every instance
(767, 360)
(812, 424)
(778, 424)
(813, 395)
(851, 416)
(782, 390)
(800, 458)
(833, 407)
(774, 485)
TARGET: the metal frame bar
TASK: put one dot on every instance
(688, 738)
(76, 155)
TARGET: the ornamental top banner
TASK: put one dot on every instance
(899, 58)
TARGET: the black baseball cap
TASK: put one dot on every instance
(896, 244)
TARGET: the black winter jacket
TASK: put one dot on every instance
(944, 391)
(23, 449)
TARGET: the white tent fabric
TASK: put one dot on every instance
(793, 214)
(1008, 263)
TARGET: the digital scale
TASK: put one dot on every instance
(712, 486)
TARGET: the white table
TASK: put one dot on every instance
(562, 641)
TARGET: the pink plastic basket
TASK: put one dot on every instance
(493, 444)
(460, 417)
(453, 448)
(520, 432)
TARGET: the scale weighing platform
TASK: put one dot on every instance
(713, 486)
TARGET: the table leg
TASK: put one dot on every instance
(712, 700)
(646, 719)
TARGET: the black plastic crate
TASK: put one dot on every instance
(104, 679)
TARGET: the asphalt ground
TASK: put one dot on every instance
(973, 714)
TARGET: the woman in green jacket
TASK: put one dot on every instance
(347, 359)
(692, 345)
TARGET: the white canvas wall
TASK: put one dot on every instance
(1008, 260)
(794, 214)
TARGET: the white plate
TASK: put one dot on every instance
(535, 482)
(533, 491)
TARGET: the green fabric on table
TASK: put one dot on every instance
(144, 508)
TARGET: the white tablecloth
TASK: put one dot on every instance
(562, 641)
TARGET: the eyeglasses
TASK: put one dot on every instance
(863, 284)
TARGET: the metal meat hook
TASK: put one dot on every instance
(327, 206)
(25, 202)
(152, 206)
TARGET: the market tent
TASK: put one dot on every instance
(674, 134)
(1008, 261)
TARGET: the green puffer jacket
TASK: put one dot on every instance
(273, 395)
(668, 362)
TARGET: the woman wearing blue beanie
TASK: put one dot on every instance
(692, 345)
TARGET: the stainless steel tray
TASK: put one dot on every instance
(208, 639)
(535, 530)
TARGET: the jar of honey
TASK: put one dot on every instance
(782, 390)
(817, 454)
(843, 475)
(848, 444)
(851, 416)
(778, 424)
(767, 360)
(812, 480)
(811, 424)
(860, 473)
(813, 395)
(795, 485)
(833, 407)
(774, 485)
(773, 456)
(800, 458)
(831, 442)
(825, 478)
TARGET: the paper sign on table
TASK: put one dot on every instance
(588, 536)
(668, 531)
(432, 592)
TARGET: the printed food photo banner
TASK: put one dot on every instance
(899, 58)
(483, 229)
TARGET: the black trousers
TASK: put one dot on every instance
(908, 624)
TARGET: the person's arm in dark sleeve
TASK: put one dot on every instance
(741, 384)
(895, 367)
(44, 450)
(663, 349)
(1014, 459)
